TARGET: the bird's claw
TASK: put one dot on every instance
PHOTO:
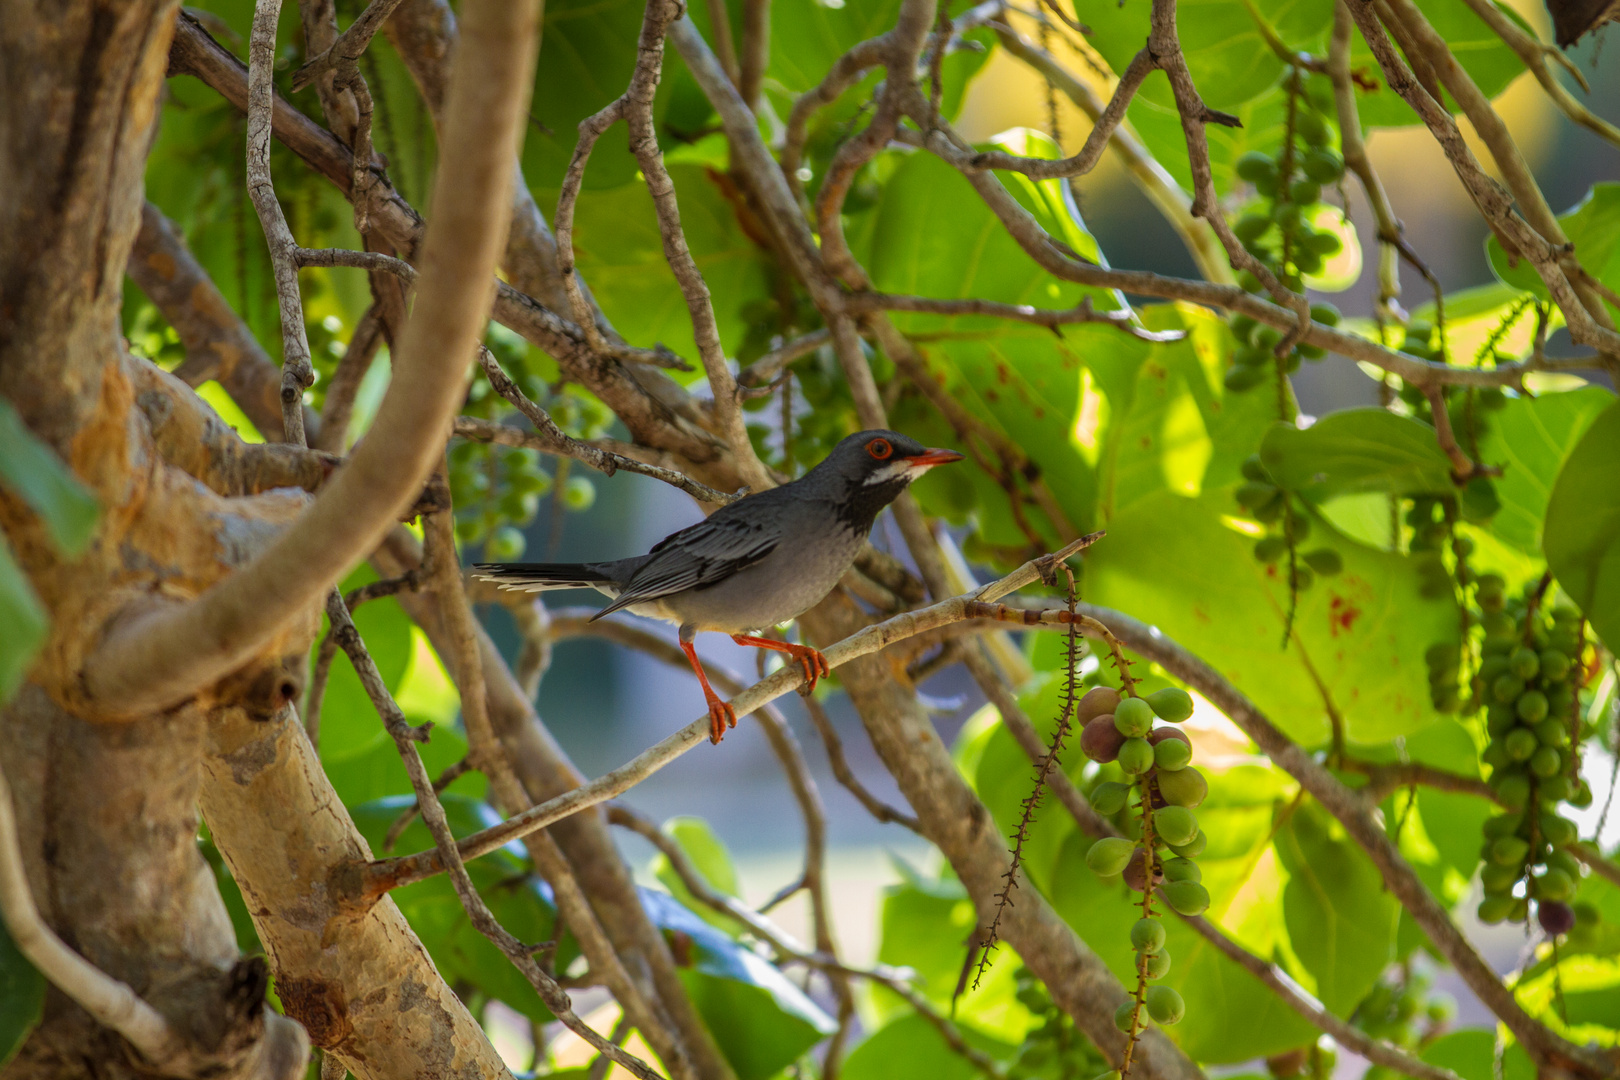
(721, 716)
(814, 665)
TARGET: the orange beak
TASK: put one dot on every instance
(930, 458)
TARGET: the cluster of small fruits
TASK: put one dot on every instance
(1055, 1049)
(1156, 761)
(1287, 524)
(1527, 676)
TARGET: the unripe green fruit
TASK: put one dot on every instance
(1286, 215)
(1554, 664)
(1256, 167)
(1302, 578)
(1531, 706)
(1495, 909)
(1499, 879)
(1325, 244)
(1326, 314)
(1563, 860)
(1175, 824)
(1498, 826)
(1195, 847)
(1156, 966)
(1183, 787)
(1554, 885)
(1123, 1015)
(1559, 787)
(1510, 851)
(1164, 1005)
(1500, 625)
(1136, 757)
(1507, 688)
(1109, 855)
(1271, 510)
(1179, 869)
(1254, 493)
(1171, 703)
(1500, 718)
(1582, 796)
(1323, 166)
(1524, 663)
(1304, 192)
(1560, 696)
(1147, 935)
(1324, 561)
(1558, 831)
(1268, 549)
(1187, 897)
(1547, 762)
(1251, 227)
(579, 494)
(1513, 790)
(1134, 718)
(1171, 755)
(1552, 733)
(1310, 127)
(1252, 468)
(1520, 744)
(505, 544)
(1110, 798)
(1492, 668)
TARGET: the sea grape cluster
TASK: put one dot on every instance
(1288, 526)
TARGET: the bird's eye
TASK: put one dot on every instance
(880, 449)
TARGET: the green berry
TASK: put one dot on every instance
(1552, 733)
(1524, 663)
(1110, 798)
(1310, 127)
(1499, 879)
(1251, 227)
(1325, 244)
(1510, 851)
(1513, 790)
(1558, 831)
(1134, 718)
(1175, 824)
(1547, 762)
(1323, 166)
(1253, 468)
(1304, 192)
(1520, 744)
(1179, 869)
(1156, 966)
(1531, 706)
(1136, 757)
(1507, 688)
(1495, 909)
(1184, 787)
(1256, 167)
(1123, 1016)
(1554, 665)
(1269, 549)
(1324, 561)
(1502, 825)
(1187, 897)
(579, 493)
(1165, 1005)
(1554, 885)
(1254, 494)
(1326, 314)
(505, 544)
(1479, 501)
(1147, 935)
(1171, 703)
(1172, 755)
(1109, 855)
(1194, 848)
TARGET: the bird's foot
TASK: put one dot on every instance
(814, 664)
(721, 716)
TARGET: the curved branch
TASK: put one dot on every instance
(152, 663)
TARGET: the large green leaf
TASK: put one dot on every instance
(22, 996)
(761, 1020)
(1471, 1054)
(1341, 919)
(708, 855)
(808, 36)
(1184, 566)
(1582, 537)
(33, 473)
(1592, 225)
(617, 241)
(1529, 438)
(1357, 450)
(910, 1047)
(25, 622)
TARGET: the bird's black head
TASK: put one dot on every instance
(868, 470)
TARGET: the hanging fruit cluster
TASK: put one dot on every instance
(1528, 677)
(1056, 1048)
(1279, 227)
(1157, 796)
(1287, 527)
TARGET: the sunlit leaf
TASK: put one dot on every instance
(1582, 538)
(1529, 439)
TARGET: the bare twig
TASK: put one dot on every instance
(349, 45)
(756, 50)
(846, 776)
(360, 260)
(1082, 312)
(762, 371)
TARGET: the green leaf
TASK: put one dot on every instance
(1477, 47)
(1471, 1054)
(31, 471)
(912, 1047)
(1341, 919)
(761, 1020)
(22, 996)
(25, 622)
(1582, 537)
(808, 36)
(1357, 450)
(1184, 565)
(617, 240)
(1592, 225)
(1262, 117)
(1530, 438)
(708, 854)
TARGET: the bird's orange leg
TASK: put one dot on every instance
(721, 714)
(814, 664)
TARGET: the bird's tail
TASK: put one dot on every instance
(538, 577)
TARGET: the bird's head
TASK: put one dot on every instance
(874, 467)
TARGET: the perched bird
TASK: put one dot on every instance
(754, 563)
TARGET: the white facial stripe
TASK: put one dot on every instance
(899, 469)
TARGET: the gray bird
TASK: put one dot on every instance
(754, 563)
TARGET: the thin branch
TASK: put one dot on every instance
(378, 877)
(109, 1002)
(557, 441)
(297, 375)
(1082, 312)
(762, 371)
(148, 664)
(360, 260)
(349, 45)
(756, 50)
(846, 776)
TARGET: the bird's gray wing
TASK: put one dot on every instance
(710, 551)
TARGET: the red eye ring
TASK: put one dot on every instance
(880, 449)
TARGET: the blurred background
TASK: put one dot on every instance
(606, 703)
